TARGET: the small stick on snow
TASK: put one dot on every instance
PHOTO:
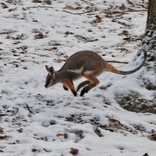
(27, 106)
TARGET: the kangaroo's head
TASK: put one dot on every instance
(50, 79)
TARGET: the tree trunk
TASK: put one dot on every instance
(151, 19)
(149, 40)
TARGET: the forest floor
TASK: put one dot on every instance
(52, 122)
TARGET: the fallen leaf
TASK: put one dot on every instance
(153, 137)
(1, 130)
(72, 8)
(59, 134)
(74, 151)
(98, 19)
(122, 7)
(48, 2)
(39, 36)
(68, 7)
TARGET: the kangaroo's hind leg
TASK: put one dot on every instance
(93, 82)
(82, 84)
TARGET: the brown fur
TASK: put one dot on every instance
(84, 63)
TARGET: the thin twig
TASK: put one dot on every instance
(127, 11)
(33, 7)
(27, 106)
(78, 13)
(98, 132)
(7, 32)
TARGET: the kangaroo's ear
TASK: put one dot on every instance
(50, 70)
(47, 68)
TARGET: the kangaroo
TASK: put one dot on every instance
(83, 63)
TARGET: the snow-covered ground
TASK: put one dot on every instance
(52, 122)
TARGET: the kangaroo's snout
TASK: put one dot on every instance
(46, 85)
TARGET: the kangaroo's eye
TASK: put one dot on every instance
(49, 77)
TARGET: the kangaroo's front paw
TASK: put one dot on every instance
(65, 88)
(75, 93)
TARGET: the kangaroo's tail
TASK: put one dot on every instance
(112, 69)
